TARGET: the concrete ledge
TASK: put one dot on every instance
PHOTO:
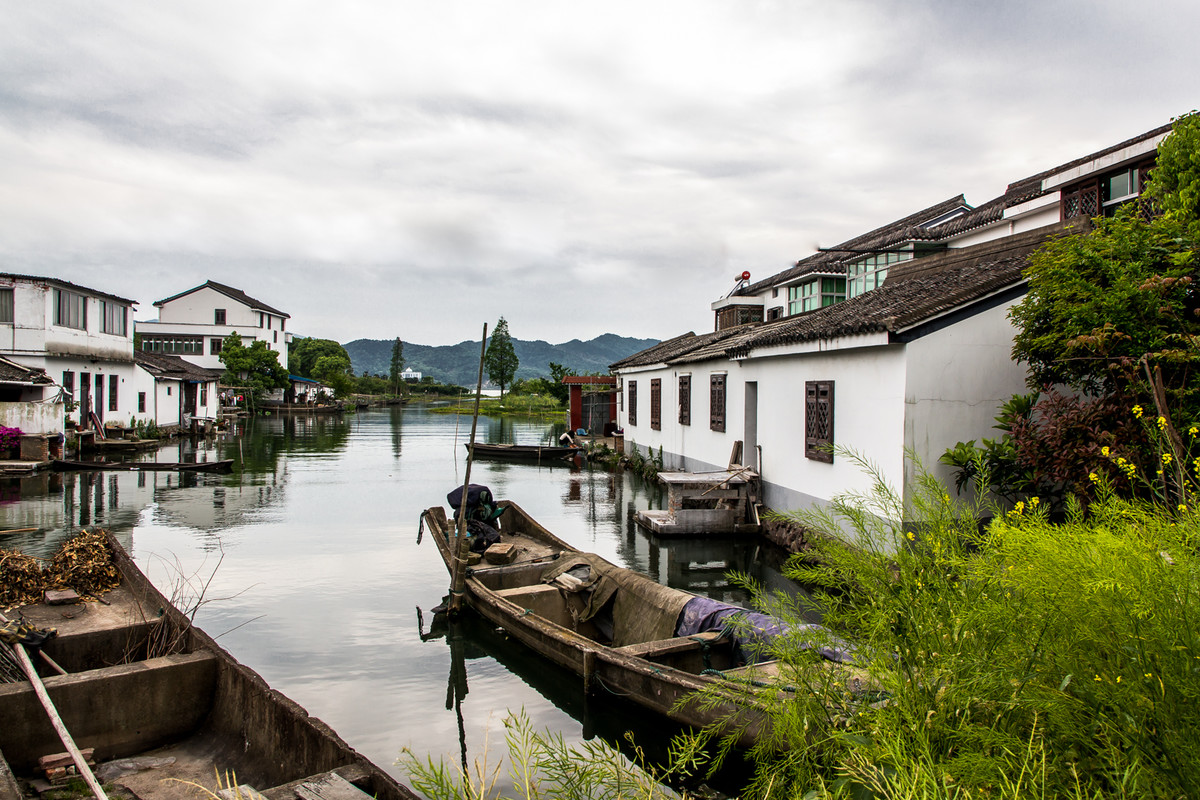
(119, 711)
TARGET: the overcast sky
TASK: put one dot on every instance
(406, 169)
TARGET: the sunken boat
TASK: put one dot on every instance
(621, 632)
(162, 709)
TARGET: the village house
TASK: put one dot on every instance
(892, 342)
(79, 339)
(193, 324)
(175, 393)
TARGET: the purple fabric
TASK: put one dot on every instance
(752, 631)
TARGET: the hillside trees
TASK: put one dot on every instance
(256, 367)
(500, 357)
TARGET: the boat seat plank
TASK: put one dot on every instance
(329, 786)
(662, 647)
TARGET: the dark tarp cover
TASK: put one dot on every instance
(644, 611)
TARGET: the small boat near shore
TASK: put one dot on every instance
(523, 452)
(163, 709)
(622, 632)
(225, 465)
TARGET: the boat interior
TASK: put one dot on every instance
(161, 708)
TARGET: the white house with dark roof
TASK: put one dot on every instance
(174, 392)
(193, 324)
(894, 341)
(81, 338)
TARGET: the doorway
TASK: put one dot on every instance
(750, 434)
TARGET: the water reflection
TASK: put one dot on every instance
(320, 573)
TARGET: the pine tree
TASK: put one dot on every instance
(397, 365)
(500, 358)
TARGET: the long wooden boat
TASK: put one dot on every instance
(634, 651)
(524, 452)
(163, 705)
(225, 465)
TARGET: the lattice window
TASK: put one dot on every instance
(818, 420)
(1081, 201)
(716, 403)
(685, 399)
(656, 404)
(633, 402)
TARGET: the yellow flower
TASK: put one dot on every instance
(1162, 423)
(1093, 477)
(1166, 458)
(911, 537)
(1137, 411)
(1104, 451)
(1183, 506)
(1192, 431)
(1033, 501)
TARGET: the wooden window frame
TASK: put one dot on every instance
(633, 402)
(656, 404)
(818, 421)
(685, 399)
(114, 389)
(716, 402)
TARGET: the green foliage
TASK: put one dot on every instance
(557, 388)
(500, 359)
(1026, 659)
(1176, 184)
(396, 366)
(649, 465)
(256, 367)
(541, 766)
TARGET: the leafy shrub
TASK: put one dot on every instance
(10, 438)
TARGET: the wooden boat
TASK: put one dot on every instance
(145, 688)
(523, 452)
(225, 465)
(639, 658)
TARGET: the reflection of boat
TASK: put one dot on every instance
(616, 628)
(523, 452)
(154, 695)
(153, 466)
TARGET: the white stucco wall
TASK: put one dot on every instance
(869, 393)
(958, 377)
(32, 417)
(32, 335)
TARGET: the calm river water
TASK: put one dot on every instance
(307, 561)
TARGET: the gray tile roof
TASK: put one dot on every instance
(12, 372)
(73, 286)
(228, 291)
(165, 366)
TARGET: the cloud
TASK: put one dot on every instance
(416, 169)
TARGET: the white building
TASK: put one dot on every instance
(895, 341)
(173, 392)
(410, 375)
(80, 337)
(193, 324)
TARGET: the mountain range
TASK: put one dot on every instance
(459, 363)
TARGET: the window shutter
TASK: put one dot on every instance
(716, 403)
(656, 404)
(818, 420)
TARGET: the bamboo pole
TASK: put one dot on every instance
(56, 721)
(462, 545)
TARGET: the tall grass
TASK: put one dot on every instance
(1030, 658)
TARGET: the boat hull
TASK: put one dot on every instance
(523, 452)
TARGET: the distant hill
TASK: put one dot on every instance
(459, 363)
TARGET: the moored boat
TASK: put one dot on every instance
(622, 632)
(162, 705)
(523, 452)
(225, 465)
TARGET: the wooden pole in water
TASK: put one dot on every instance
(462, 545)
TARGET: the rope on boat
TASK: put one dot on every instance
(596, 677)
(421, 528)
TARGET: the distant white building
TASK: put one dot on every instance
(410, 375)
(193, 324)
(81, 338)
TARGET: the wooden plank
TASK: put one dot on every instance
(329, 786)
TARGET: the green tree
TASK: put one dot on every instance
(305, 353)
(1113, 314)
(500, 358)
(256, 367)
(560, 391)
(397, 365)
